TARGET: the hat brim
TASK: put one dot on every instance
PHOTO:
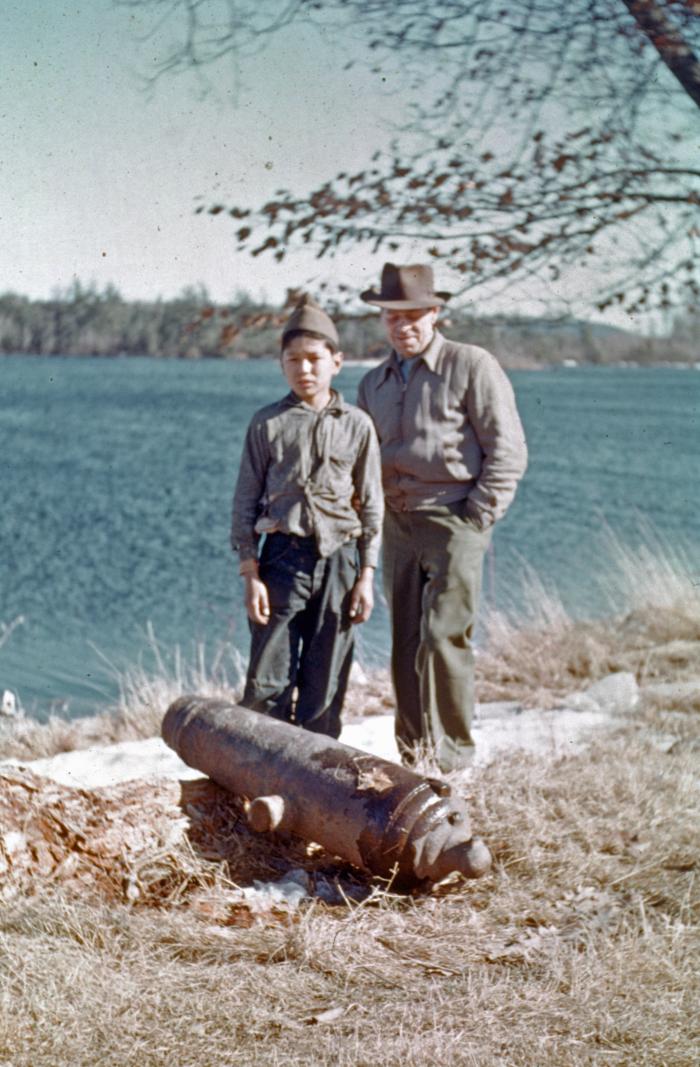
(434, 300)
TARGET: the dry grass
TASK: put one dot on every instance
(653, 630)
(581, 948)
(143, 697)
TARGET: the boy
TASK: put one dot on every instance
(310, 481)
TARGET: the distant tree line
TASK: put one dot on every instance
(83, 321)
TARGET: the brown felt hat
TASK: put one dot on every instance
(404, 288)
(310, 318)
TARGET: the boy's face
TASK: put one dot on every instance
(309, 367)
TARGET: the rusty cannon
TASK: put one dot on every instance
(381, 817)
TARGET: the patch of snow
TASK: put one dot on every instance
(106, 765)
(262, 897)
(498, 728)
(9, 705)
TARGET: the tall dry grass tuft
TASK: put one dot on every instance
(144, 695)
(652, 575)
(6, 628)
(541, 654)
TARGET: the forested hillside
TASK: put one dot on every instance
(84, 321)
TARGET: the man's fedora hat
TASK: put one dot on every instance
(404, 288)
(308, 317)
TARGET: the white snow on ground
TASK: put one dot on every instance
(103, 765)
(497, 728)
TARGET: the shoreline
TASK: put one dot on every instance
(516, 364)
(553, 661)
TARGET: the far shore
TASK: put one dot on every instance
(513, 363)
(85, 321)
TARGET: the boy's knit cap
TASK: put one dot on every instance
(307, 315)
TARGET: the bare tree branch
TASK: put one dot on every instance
(481, 186)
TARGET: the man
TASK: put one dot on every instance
(453, 451)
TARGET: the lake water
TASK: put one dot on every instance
(116, 488)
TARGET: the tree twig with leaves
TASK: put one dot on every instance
(553, 137)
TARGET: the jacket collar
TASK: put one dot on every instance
(430, 356)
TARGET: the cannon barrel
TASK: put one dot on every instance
(381, 817)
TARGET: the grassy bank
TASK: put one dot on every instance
(652, 630)
(581, 947)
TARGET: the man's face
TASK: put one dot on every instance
(410, 332)
(309, 367)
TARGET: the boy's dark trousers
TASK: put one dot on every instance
(307, 643)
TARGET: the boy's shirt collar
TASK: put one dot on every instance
(335, 406)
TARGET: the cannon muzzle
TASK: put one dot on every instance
(381, 817)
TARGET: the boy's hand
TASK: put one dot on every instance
(362, 598)
(257, 601)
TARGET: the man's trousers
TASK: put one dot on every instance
(433, 563)
(305, 650)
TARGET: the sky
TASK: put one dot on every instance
(99, 178)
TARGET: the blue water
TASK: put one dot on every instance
(118, 474)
